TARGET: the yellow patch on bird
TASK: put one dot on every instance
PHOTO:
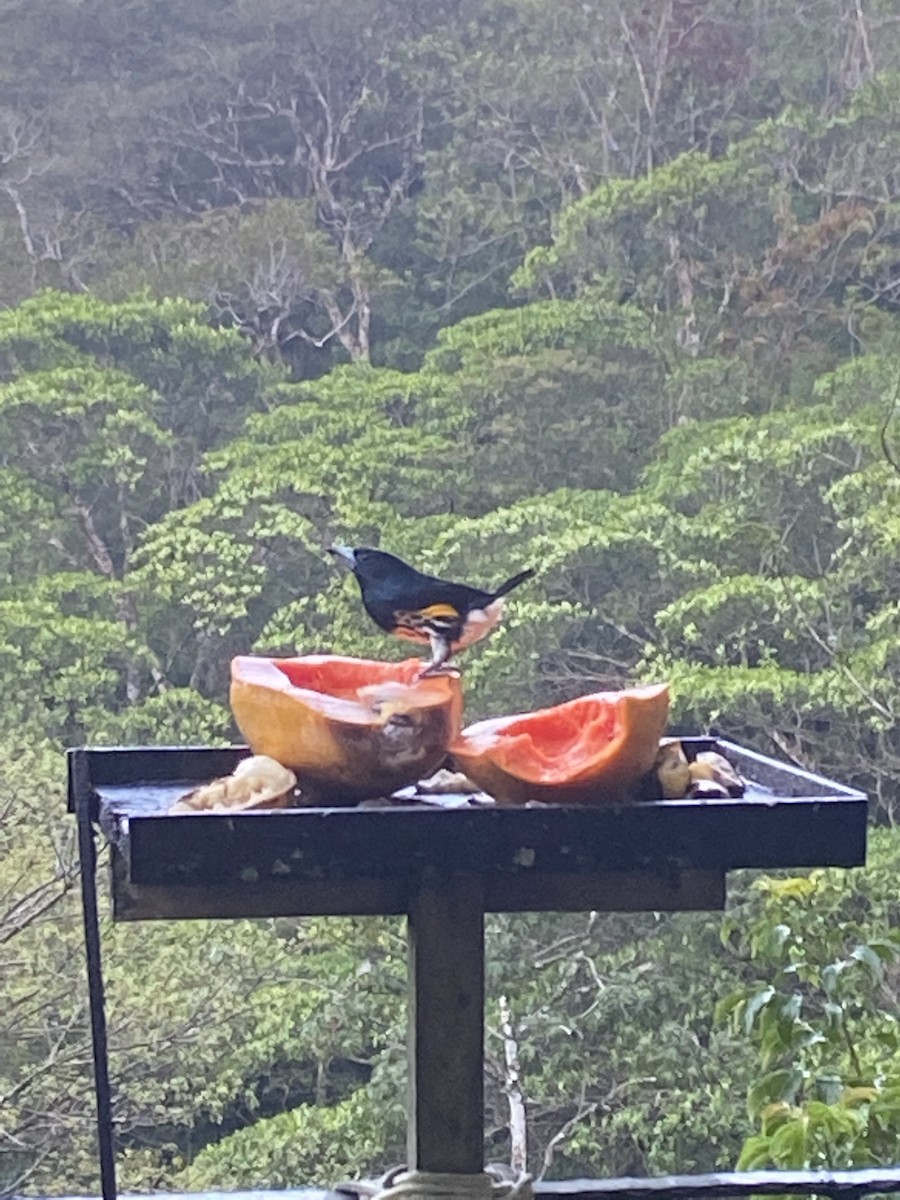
(440, 610)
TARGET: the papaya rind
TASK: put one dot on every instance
(362, 728)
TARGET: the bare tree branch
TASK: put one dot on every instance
(518, 1129)
(883, 432)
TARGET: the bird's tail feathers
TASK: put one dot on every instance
(513, 583)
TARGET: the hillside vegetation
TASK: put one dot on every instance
(610, 290)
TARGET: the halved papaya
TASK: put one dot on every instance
(350, 728)
(590, 750)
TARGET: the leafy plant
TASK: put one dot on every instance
(822, 1015)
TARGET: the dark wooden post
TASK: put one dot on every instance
(445, 1043)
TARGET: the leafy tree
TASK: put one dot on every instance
(403, 183)
(784, 641)
(104, 413)
(259, 268)
(44, 1049)
(685, 420)
(821, 1015)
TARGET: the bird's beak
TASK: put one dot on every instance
(344, 554)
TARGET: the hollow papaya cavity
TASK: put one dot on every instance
(350, 728)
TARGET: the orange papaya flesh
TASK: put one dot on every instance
(590, 750)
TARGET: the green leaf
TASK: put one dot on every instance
(781, 1085)
(755, 1005)
(870, 959)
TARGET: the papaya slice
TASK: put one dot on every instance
(590, 750)
(351, 728)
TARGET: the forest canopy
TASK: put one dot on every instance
(609, 290)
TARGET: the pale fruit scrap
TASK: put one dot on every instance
(447, 783)
(256, 782)
(700, 770)
(672, 769)
(709, 777)
(706, 789)
(713, 766)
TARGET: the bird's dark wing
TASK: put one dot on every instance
(442, 607)
(441, 595)
(430, 607)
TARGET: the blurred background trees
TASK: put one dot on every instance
(606, 289)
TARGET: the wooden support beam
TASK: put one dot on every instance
(534, 891)
(445, 1040)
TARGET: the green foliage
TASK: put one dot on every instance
(305, 1147)
(104, 410)
(43, 1085)
(686, 421)
(175, 717)
(823, 1016)
(790, 638)
(557, 391)
(605, 234)
(63, 672)
(614, 1028)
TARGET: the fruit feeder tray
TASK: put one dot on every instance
(443, 866)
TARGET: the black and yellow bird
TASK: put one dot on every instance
(404, 602)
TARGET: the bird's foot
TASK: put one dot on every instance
(432, 670)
